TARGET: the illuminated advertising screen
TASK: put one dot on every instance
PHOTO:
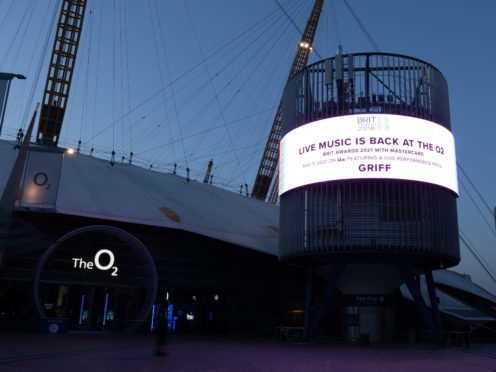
(368, 146)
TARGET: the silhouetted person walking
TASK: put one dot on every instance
(160, 348)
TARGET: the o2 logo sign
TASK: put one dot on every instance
(81, 264)
(40, 179)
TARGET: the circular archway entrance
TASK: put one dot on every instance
(97, 278)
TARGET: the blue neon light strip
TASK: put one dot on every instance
(105, 309)
(171, 326)
(152, 323)
(81, 311)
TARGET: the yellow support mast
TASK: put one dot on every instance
(270, 158)
(60, 71)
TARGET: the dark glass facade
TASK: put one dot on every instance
(213, 286)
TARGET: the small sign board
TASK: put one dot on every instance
(54, 325)
(368, 300)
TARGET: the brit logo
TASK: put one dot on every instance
(372, 123)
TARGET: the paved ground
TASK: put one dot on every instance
(101, 352)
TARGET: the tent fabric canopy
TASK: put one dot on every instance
(447, 303)
(91, 187)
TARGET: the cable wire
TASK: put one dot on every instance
(128, 79)
(113, 78)
(172, 92)
(97, 70)
(478, 209)
(7, 14)
(214, 90)
(476, 255)
(84, 111)
(223, 47)
(40, 65)
(475, 188)
(162, 80)
(336, 24)
(367, 34)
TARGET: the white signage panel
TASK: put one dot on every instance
(41, 179)
(368, 146)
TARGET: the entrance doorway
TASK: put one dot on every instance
(92, 307)
(98, 278)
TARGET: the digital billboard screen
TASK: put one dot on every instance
(368, 146)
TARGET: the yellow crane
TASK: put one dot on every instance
(60, 71)
(270, 158)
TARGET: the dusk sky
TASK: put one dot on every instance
(186, 81)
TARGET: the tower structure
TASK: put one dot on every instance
(368, 181)
(270, 157)
(60, 71)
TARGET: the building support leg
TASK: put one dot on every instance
(408, 277)
(434, 305)
(331, 284)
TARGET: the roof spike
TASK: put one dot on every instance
(209, 171)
